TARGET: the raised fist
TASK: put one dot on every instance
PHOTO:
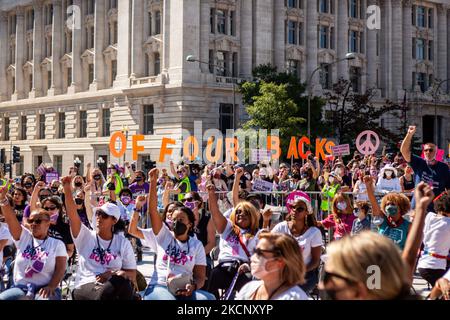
(411, 130)
(153, 174)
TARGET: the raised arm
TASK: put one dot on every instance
(13, 224)
(35, 195)
(88, 172)
(423, 195)
(133, 227)
(405, 148)
(173, 171)
(71, 208)
(130, 169)
(314, 170)
(219, 220)
(235, 190)
(88, 201)
(376, 210)
(155, 218)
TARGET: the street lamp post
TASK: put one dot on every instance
(192, 58)
(348, 56)
(435, 108)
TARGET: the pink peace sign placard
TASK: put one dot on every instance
(364, 142)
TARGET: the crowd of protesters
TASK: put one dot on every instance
(217, 234)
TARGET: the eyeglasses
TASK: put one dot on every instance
(328, 275)
(36, 221)
(49, 208)
(299, 209)
(428, 150)
(260, 252)
(190, 199)
(102, 214)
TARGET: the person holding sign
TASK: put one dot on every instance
(429, 170)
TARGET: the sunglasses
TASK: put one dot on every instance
(260, 252)
(328, 275)
(428, 150)
(239, 212)
(37, 220)
(49, 208)
(299, 209)
(102, 214)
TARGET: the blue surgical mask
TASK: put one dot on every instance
(391, 210)
(342, 205)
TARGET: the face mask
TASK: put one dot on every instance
(180, 175)
(28, 185)
(42, 198)
(296, 176)
(169, 223)
(79, 201)
(258, 267)
(190, 205)
(78, 184)
(54, 190)
(391, 210)
(341, 205)
(331, 180)
(248, 176)
(97, 177)
(179, 228)
(54, 216)
(339, 171)
(125, 199)
(388, 174)
(138, 178)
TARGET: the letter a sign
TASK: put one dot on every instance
(367, 142)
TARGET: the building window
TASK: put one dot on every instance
(331, 38)
(212, 20)
(233, 23)
(69, 76)
(420, 16)
(68, 42)
(61, 125)
(323, 37)
(113, 71)
(6, 130)
(292, 32)
(211, 61)
(430, 18)
(30, 19)
(430, 50)
(222, 63)
(353, 9)
(420, 79)
(42, 126)
(106, 122)
(57, 163)
(91, 37)
(148, 119)
(292, 67)
(115, 30)
(420, 49)
(361, 42)
(83, 124)
(91, 7)
(352, 41)
(48, 14)
(157, 63)
(91, 73)
(12, 24)
(23, 127)
(234, 67)
(355, 76)
(158, 22)
(221, 22)
(113, 4)
(325, 76)
(300, 34)
(49, 79)
(226, 117)
(325, 6)
(292, 3)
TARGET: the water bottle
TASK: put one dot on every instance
(30, 292)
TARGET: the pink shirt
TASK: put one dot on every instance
(340, 230)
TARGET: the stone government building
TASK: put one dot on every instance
(64, 89)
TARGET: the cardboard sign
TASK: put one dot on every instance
(50, 176)
(260, 155)
(262, 185)
(341, 150)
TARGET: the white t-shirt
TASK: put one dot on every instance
(293, 293)
(230, 247)
(436, 239)
(447, 275)
(149, 239)
(312, 238)
(4, 235)
(120, 255)
(36, 259)
(391, 185)
(183, 256)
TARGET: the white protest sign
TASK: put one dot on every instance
(260, 155)
(341, 150)
(262, 185)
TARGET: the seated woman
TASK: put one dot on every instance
(41, 260)
(301, 224)
(341, 219)
(278, 264)
(238, 239)
(107, 266)
(389, 217)
(181, 262)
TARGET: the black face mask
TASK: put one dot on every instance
(138, 178)
(78, 184)
(97, 177)
(179, 228)
(42, 198)
(28, 185)
(79, 201)
(54, 190)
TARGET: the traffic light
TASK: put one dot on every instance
(2, 156)
(16, 154)
(149, 164)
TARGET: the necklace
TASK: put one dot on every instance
(258, 294)
(101, 252)
(33, 249)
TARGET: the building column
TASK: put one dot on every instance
(279, 29)
(20, 54)
(311, 40)
(57, 41)
(442, 56)
(205, 30)
(407, 46)
(371, 49)
(165, 16)
(123, 44)
(385, 50)
(138, 56)
(397, 52)
(342, 39)
(99, 45)
(246, 18)
(263, 33)
(77, 47)
(3, 54)
(38, 38)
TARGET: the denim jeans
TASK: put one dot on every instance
(19, 293)
(160, 292)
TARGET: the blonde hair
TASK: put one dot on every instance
(254, 218)
(290, 252)
(402, 201)
(352, 256)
